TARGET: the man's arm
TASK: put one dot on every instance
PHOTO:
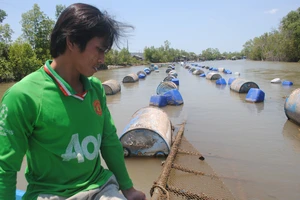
(14, 131)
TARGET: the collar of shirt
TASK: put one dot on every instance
(65, 88)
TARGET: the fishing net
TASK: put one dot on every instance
(186, 175)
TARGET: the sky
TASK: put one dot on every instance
(190, 25)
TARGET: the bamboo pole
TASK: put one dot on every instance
(159, 186)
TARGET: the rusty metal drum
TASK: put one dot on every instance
(198, 72)
(148, 133)
(165, 86)
(141, 72)
(111, 87)
(130, 78)
(292, 106)
(213, 76)
(169, 78)
(242, 86)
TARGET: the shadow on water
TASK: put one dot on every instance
(221, 87)
(113, 99)
(291, 133)
(252, 107)
(255, 107)
(211, 82)
(236, 95)
(131, 85)
(173, 111)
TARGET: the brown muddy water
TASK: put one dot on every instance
(253, 146)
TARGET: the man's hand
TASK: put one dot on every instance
(133, 194)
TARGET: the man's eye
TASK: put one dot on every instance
(103, 50)
(100, 50)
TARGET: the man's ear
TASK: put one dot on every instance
(71, 45)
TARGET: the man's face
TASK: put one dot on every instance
(90, 59)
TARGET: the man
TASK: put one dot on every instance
(59, 118)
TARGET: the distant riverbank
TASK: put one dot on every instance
(121, 66)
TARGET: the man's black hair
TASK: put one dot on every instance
(82, 22)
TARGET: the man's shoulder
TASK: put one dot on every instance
(32, 83)
(95, 80)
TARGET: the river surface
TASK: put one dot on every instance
(253, 144)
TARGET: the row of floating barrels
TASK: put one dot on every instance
(112, 86)
(198, 71)
(254, 94)
(149, 132)
(167, 91)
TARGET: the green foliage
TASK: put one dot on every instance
(59, 9)
(290, 26)
(5, 31)
(37, 28)
(5, 73)
(211, 54)
(277, 45)
(22, 59)
(167, 54)
(5, 39)
(2, 15)
(124, 57)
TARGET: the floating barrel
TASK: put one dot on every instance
(237, 73)
(173, 73)
(158, 100)
(142, 76)
(255, 95)
(192, 69)
(151, 67)
(111, 87)
(221, 69)
(169, 78)
(287, 83)
(147, 70)
(242, 86)
(130, 78)
(19, 194)
(141, 72)
(230, 80)
(165, 86)
(276, 80)
(202, 75)
(292, 106)
(148, 133)
(227, 71)
(198, 72)
(168, 70)
(221, 81)
(174, 97)
(213, 76)
(175, 80)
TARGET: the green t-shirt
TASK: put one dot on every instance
(61, 133)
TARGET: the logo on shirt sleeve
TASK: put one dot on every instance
(3, 116)
(97, 107)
